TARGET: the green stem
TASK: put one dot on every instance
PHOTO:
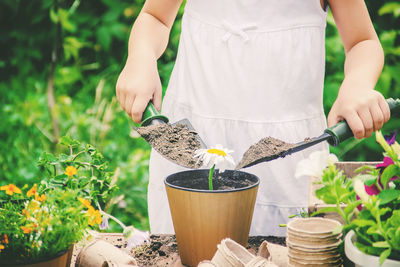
(210, 176)
(77, 155)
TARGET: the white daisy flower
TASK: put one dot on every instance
(217, 156)
(315, 164)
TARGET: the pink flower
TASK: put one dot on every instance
(372, 189)
(387, 161)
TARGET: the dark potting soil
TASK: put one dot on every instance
(175, 142)
(163, 249)
(266, 147)
(227, 180)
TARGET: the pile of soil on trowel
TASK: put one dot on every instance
(175, 142)
(266, 147)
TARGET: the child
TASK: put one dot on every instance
(247, 69)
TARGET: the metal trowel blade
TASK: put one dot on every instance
(187, 123)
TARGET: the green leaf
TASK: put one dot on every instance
(388, 173)
(325, 210)
(368, 179)
(325, 194)
(53, 16)
(387, 196)
(384, 255)
(381, 244)
(363, 223)
(350, 207)
(390, 8)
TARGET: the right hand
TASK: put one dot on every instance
(137, 84)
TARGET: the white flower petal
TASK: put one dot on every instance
(210, 159)
(359, 188)
(315, 164)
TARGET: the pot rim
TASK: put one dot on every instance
(359, 257)
(39, 260)
(167, 183)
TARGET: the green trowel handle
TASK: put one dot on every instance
(151, 115)
(342, 131)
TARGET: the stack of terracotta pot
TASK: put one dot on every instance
(311, 242)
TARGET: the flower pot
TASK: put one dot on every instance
(202, 218)
(359, 258)
(61, 259)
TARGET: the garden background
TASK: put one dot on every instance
(59, 62)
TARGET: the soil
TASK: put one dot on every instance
(163, 250)
(227, 180)
(267, 147)
(175, 142)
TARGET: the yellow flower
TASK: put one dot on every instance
(33, 206)
(94, 216)
(26, 213)
(11, 189)
(40, 198)
(27, 230)
(217, 155)
(85, 202)
(32, 191)
(70, 171)
(1, 247)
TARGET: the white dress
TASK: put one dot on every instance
(248, 69)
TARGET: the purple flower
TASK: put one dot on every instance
(391, 138)
(104, 223)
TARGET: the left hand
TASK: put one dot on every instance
(365, 111)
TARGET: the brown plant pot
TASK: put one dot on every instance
(61, 259)
(202, 218)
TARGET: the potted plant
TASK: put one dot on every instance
(208, 205)
(40, 229)
(371, 213)
(40, 226)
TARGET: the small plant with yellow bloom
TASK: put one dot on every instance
(215, 157)
(47, 218)
(37, 225)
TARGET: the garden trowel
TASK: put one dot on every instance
(152, 117)
(333, 135)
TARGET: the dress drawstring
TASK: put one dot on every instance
(235, 30)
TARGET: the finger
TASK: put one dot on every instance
(139, 105)
(385, 109)
(333, 119)
(157, 98)
(356, 125)
(377, 117)
(367, 121)
(129, 100)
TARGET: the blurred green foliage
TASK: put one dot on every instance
(78, 48)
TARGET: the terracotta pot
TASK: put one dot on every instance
(202, 218)
(61, 259)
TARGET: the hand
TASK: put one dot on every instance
(137, 84)
(365, 111)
